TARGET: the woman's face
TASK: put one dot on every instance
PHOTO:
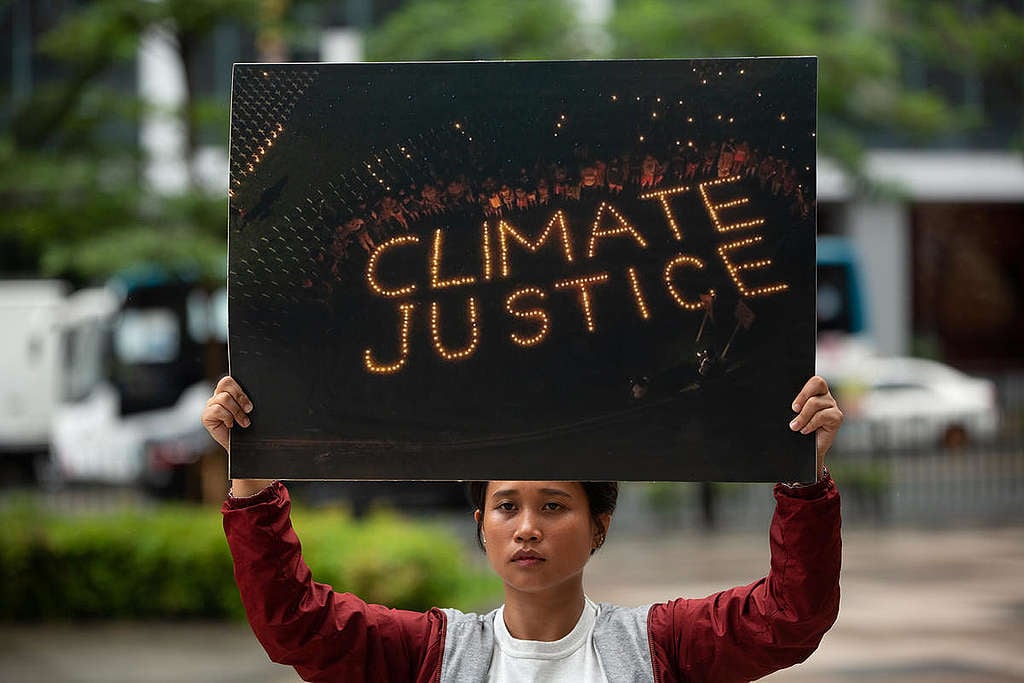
(538, 535)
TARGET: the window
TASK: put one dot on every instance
(147, 336)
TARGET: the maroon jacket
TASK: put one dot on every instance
(737, 635)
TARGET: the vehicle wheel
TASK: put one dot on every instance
(954, 438)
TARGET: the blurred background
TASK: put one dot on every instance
(113, 178)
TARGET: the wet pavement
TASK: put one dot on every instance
(918, 607)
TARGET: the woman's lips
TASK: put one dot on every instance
(527, 558)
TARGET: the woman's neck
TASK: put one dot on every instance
(546, 616)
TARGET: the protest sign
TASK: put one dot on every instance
(539, 270)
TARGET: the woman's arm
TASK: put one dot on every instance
(748, 632)
(325, 635)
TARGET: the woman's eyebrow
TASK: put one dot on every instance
(547, 492)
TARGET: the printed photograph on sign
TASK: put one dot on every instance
(523, 270)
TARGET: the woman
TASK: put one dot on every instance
(538, 537)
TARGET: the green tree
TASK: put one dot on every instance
(863, 49)
(859, 67)
(476, 29)
(75, 202)
(974, 42)
(863, 85)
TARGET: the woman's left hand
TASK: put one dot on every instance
(818, 412)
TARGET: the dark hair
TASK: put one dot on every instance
(601, 498)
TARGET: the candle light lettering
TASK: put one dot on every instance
(485, 242)
(474, 331)
(608, 222)
(638, 293)
(371, 267)
(506, 230)
(583, 284)
(662, 197)
(537, 314)
(670, 267)
(436, 282)
(623, 227)
(713, 209)
(405, 311)
(736, 268)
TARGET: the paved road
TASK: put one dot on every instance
(918, 607)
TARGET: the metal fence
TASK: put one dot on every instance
(974, 485)
(976, 482)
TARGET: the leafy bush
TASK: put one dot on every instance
(173, 562)
(392, 561)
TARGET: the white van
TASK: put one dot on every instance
(30, 363)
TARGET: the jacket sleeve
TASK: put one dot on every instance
(747, 632)
(325, 635)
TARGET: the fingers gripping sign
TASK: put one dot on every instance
(818, 413)
(227, 407)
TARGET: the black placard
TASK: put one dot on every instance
(537, 270)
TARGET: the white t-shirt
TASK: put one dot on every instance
(571, 658)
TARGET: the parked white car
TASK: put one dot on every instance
(903, 402)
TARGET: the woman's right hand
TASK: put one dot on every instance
(227, 407)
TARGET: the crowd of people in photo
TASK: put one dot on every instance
(500, 195)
